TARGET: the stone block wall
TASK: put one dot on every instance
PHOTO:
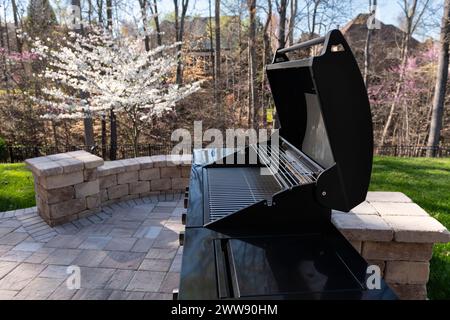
(73, 185)
(65, 185)
(391, 231)
(140, 177)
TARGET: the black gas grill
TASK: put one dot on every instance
(262, 229)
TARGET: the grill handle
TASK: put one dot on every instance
(303, 45)
(333, 38)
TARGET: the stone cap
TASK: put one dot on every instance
(141, 163)
(63, 163)
(387, 216)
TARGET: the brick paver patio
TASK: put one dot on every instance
(128, 251)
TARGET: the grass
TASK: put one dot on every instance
(16, 187)
(426, 182)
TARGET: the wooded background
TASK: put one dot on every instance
(405, 66)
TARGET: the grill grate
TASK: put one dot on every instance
(292, 167)
(232, 190)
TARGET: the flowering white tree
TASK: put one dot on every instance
(94, 73)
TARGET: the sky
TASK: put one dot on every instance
(389, 11)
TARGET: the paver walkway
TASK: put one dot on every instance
(128, 251)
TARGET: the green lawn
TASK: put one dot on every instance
(16, 187)
(426, 182)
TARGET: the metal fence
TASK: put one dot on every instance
(15, 154)
(412, 151)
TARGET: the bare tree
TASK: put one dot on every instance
(413, 16)
(282, 9)
(109, 14)
(16, 25)
(266, 55)
(100, 11)
(112, 115)
(8, 42)
(370, 29)
(179, 32)
(87, 120)
(217, 55)
(441, 84)
(292, 18)
(252, 114)
(211, 40)
(154, 11)
(312, 17)
(90, 9)
(143, 6)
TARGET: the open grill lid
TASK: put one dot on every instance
(324, 111)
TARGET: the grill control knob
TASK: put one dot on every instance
(181, 238)
(183, 218)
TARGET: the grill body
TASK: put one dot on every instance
(258, 222)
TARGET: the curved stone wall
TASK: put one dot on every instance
(73, 185)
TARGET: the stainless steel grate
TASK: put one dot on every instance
(289, 166)
(232, 190)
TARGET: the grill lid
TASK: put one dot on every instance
(324, 111)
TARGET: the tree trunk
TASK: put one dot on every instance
(372, 8)
(103, 136)
(55, 135)
(109, 15)
(87, 120)
(5, 69)
(265, 58)
(294, 9)
(211, 43)
(253, 114)
(90, 12)
(179, 30)
(143, 5)
(113, 136)
(157, 26)
(16, 25)
(441, 85)
(8, 42)
(282, 8)
(217, 58)
(100, 11)
(314, 19)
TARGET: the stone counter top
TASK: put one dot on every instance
(63, 163)
(390, 216)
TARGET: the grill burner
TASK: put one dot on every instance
(251, 235)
